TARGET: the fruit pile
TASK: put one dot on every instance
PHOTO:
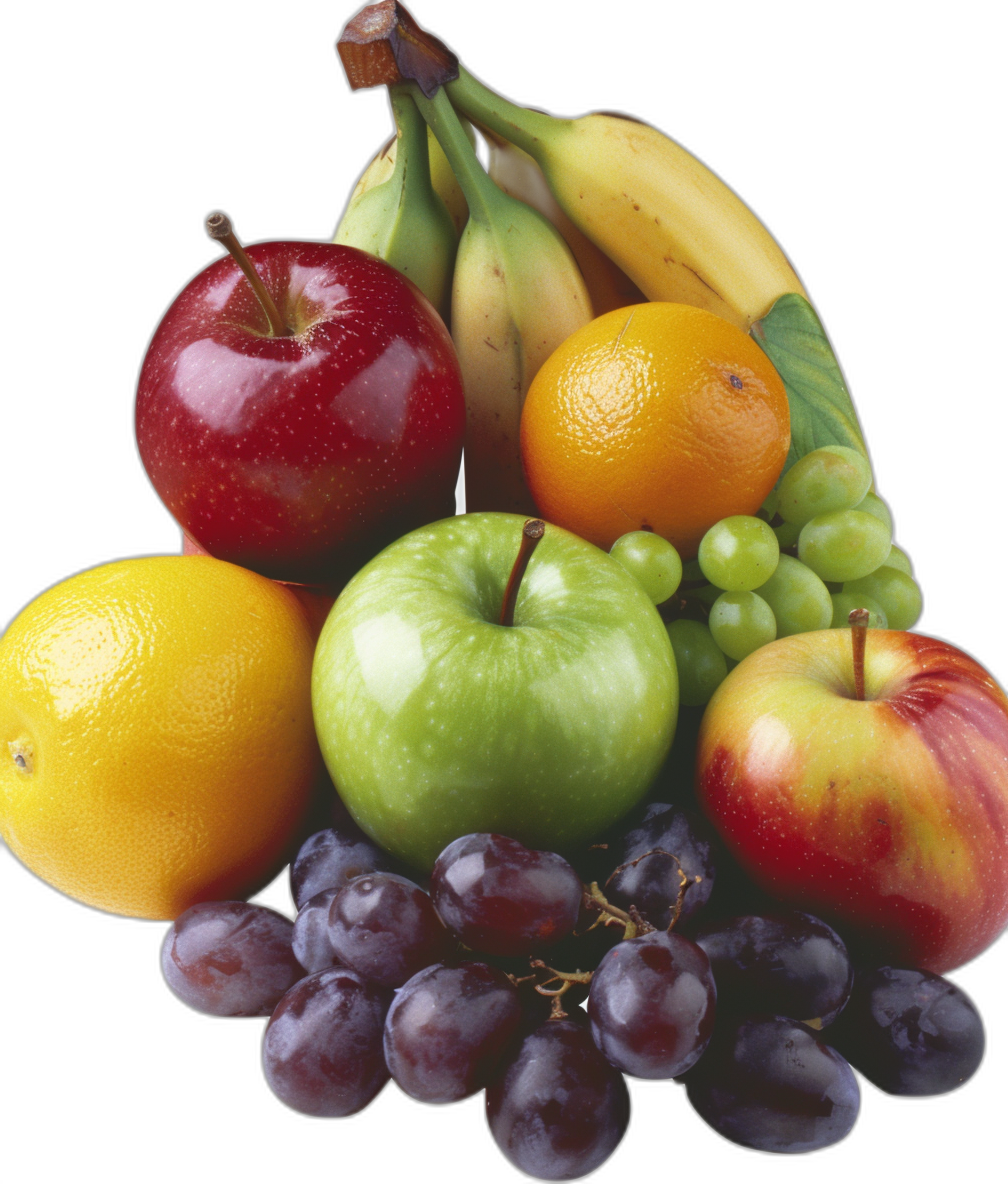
(673, 579)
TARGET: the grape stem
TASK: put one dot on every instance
(684, 883)
(633, 923)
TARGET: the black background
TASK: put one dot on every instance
(836, 149)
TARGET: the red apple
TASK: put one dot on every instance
(301, 454)
(887, 816)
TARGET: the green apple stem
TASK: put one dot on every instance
(218, 226)
(858, 621)
(532, 532)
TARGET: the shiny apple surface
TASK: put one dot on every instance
(301, 456)
(889, 815)
(436, 721)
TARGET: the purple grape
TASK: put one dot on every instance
(789, 964)
(652, 1004)
(230, 958)
(910, 1032)
(310, 941)
(448, 1028)
(385, 927)
(501, 898)
(770, 1084)
(651, 855)
(322, 1052)
(331, 858)
(559, 1109)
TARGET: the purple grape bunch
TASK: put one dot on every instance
(513, 976)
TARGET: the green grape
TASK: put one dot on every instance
(844, 604)
(828, 479)
(701, 665)
(874, 505)
(651, 560)
(739, 553)
(799, 599)
(706, 595)
(899, 559)
(786, 534)
(741, 622)
(844, 545)
(895, 591)
(691, 571)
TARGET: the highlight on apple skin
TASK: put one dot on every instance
(300, 454)
(437, 720)
(887, 816)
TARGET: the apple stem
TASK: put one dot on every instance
(858, 621)
(532, 532)
(218, 226)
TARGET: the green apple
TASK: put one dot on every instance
(437, 721)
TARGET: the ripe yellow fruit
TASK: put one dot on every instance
(156, 737)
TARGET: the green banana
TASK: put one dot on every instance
(402, 220)
(517, 294)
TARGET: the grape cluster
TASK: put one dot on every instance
(820, 546)
(476, 985)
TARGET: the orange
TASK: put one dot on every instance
(659, 416)
(156, 738)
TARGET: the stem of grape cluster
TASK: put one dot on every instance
(219, 227)
(532, 532)
(858, 621)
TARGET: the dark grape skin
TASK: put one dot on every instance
(310, 940)
(652, 1005)
(331, 858)
(448, 1028)
(559, 1108)
(322, 1051)
(650, 879)
(789, 964)
(769, 1084)
(910, 1032)
(385, 927)
(230, 958)
(500, 897)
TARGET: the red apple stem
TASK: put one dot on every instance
(219, 227)
(532, 532)
(858, 621)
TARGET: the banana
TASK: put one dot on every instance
(401, 219)
(517, 174)
(443, 180)
(517, 294)
(660, 214)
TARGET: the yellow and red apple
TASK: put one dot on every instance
(888, 816)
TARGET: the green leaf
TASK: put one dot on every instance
(792, 337)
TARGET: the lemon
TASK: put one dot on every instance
(156, 738)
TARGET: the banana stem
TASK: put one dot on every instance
(530, 130)
(412, 163)
(481, 194)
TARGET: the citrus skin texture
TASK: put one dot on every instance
(156, 741)
(657, 416)
(435, 721)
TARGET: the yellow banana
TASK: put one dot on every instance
(659, 213)
(402, 220)
(382, 166)
(517, 294)
(517, 174)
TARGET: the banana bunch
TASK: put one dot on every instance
(581, 216)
